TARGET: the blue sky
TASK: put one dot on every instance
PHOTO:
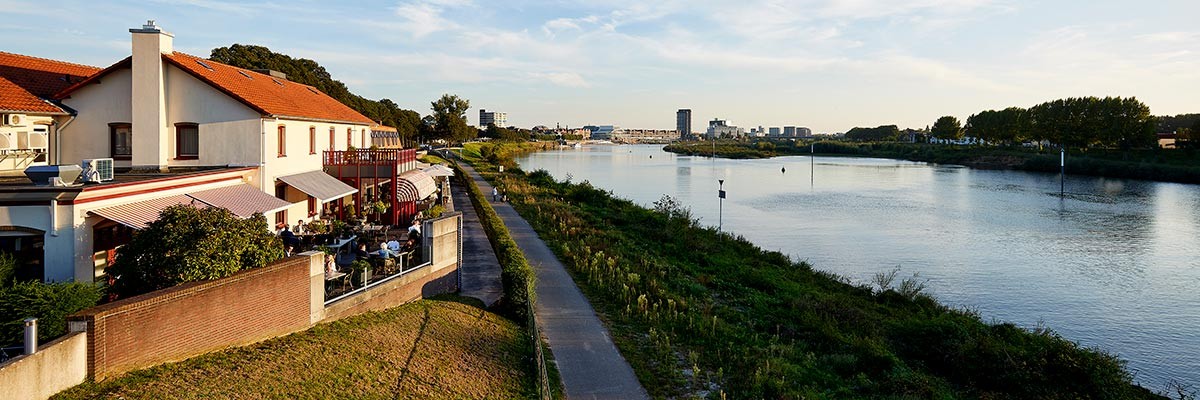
(826, 64)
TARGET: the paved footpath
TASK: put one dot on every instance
(588, 361)
(480, 270)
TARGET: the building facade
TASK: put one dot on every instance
(719, 128)
(500, 119)
(180, 130)
(683, 123)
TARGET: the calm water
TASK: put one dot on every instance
(1114, 265)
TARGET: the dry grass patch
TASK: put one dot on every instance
(428, 349)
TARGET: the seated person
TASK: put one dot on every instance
(330, 267)
(289, 239)
(386, 252)
(362, 253)
(393, 246)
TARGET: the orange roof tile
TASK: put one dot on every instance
(268, 95)
(382, 128)
(14, 98)
(39, 76)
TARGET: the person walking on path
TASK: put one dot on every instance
(495, 194)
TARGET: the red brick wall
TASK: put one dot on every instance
(195, 318)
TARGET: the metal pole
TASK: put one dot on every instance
(31, 343)
(1062, 172)
(721, 206)
(812, 165)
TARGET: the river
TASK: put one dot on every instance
(1114, 264)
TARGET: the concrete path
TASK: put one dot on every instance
(480, 269)
(588, 361)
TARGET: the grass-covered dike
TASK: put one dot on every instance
(444, 348)
(699, 313)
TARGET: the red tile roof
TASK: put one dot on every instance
(23, 79)
(269, 95)
(41, 76)
(16, 99)
(382, 128)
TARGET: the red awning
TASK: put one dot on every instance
(415, 185)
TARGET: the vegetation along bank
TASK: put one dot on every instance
(701, 313)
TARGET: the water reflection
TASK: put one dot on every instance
(1109, 263)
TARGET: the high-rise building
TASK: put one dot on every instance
(789, 131)
(500, 119)
(774, 131)
(683, 123)
(719, 128)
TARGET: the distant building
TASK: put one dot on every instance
(683, 123)
(803, 132)
(500, 119)
(602, 132)
(774, 131)
(721, 128)
(789, 131)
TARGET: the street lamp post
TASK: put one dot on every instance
(721, 206)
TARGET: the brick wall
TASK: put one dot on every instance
(413, 285)
(194, 318)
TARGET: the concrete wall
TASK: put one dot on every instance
(57, 366)
(99, 104)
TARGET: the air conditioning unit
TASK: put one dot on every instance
(14, 119)
(104, 167)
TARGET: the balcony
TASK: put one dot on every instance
(381, 163)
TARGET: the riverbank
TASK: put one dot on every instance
(440, 348)
(699, 312)
(1165, 165)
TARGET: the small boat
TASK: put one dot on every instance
(577, 146)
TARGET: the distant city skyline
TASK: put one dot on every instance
(829, 65)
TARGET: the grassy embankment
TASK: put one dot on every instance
(430, 349)
(1168, 165)
(701, 313)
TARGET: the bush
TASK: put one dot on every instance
(50, 303)
(188, 244)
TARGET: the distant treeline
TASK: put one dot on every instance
(1077, 122)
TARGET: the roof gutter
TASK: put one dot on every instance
(310, 119)
(58, 139)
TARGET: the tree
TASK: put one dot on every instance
(450, 118)
(876, 134)
(947, 127)
(188, 244)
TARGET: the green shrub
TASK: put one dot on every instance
(188, 244)
(50, 303)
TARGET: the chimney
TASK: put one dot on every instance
(150, 130)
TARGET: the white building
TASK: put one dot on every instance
(721, 128)
(500, 119)
(190, 131)
(28, 113)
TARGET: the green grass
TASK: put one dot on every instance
(1167, 165)
(431, 349)
(701, 313)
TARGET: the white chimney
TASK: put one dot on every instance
(150, 130)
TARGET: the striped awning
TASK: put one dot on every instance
(415, 185)
(242, 200)
(320, 185)
(138, 215)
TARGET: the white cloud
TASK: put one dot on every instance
(566, 79)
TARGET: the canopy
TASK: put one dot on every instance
(439, 170)
(242, 200)
(414, 185)
(320, 185)
(138, 215)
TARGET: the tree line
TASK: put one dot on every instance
(1076, 122)
(447, 120)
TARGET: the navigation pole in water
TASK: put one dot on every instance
(721, 207)
(1062, 172)
(812, 165)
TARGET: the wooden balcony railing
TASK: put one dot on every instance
(380, 157)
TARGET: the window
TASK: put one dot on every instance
(363, 138)
(312, 206)
(282, 141)
(281, 193)
(187, 141)
(312, 140)
(332, 139)
(349, 138)
(121, 140)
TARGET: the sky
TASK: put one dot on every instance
(829, 65)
